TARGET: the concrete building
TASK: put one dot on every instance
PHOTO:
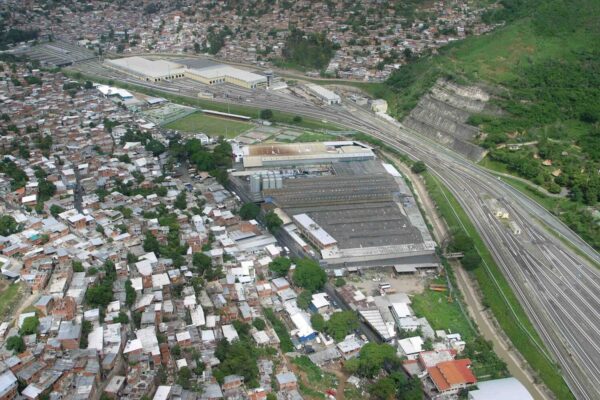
(8, 385)
(449, 377)
(291, 154)
(326, 95)
(226, 74)
(148, 70)
(159, 70)
(314, 233)
(497, 389)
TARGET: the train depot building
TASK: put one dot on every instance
(211, 74)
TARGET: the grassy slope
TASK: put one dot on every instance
(494, 59)
(213, 126)
(9, 297)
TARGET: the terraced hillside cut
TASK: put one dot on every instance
(442, 114)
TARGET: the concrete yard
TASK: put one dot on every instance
(369, 282)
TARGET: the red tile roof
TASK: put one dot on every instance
(449, 374)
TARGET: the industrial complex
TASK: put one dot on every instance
(160, 70)
(338, 199)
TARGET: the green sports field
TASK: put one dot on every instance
(213, 126)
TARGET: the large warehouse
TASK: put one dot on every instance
(326, 95)
(158, 70)
(149, 70)
(354, 210)
(291, 154)
(225, 73)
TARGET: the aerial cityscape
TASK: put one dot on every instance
(283, 200)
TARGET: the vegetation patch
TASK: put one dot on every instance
(285, 341)
(313, 381)
(302, 50)
(9, 297)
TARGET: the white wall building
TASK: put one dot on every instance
(325, 95)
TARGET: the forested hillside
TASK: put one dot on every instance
(543, 68)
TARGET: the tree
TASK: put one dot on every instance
(280, 266)
(183, 377)
(56, 209)
(259, 324)
(318, 322)
(237, 358)
(151, 243)
(341, 324)
(77, 266)
(471, 260)
(100, 294)
(266, 114)
(418, 167)
(16, 344)
(130, 294)
(46, 189)
(30, 326)
(86, 329)
(309, 275)
(202, 262)
(461, 242)
(249, 211)
(122, 318)
(339, 282)
(273, 221)
(8, 225)
(181, 201)
(373, 358)
(383, 389)
(304, 299)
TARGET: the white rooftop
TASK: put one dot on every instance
(499, 389)
(320, 234)
(146, 67)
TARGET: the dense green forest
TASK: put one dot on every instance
(307, 50)
(12, 36)
(543, 70)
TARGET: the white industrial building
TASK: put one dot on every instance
(326, 95)
(149, 70)
(224, 73)
(159, 70)
(313, 232)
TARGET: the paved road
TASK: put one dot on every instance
(556, 287)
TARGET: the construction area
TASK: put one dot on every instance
(353, 212)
